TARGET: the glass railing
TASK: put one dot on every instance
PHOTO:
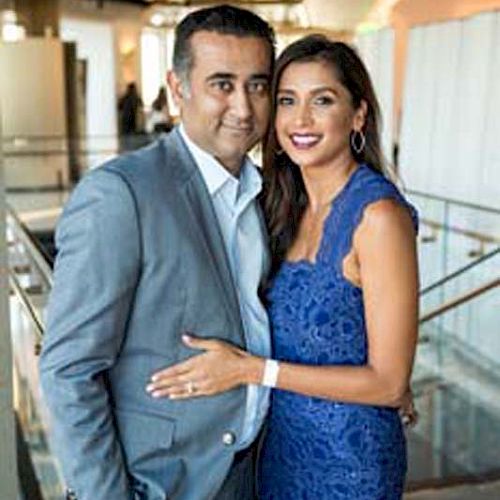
(57, 162)
(30, 279)
(452, 234)
(472, 275)
(456, 379)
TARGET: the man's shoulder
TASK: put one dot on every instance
(136, 163)
(152, 172)
(165, 153)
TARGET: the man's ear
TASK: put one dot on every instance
(360, 116)
(176, 88)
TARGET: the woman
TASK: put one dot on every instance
(159, 119)
(342, 297)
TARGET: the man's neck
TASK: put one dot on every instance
(233, 167)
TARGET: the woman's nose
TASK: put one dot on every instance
(303, 115)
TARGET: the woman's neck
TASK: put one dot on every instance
(323, 184)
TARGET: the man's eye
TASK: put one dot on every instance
(285, 101)
(223, 85)
(258, 87)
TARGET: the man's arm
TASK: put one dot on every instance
(95, 276)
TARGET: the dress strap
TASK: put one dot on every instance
(368, 187)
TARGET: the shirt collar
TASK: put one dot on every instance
(216, 176)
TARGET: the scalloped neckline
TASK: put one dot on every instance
(305, 262)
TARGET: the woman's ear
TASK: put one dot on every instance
(359, 119)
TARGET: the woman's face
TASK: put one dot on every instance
(315, 115)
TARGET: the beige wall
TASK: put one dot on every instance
(32, 97)
(127, 22)
(32, 100)
(408, 13)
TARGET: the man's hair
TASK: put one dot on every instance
(223, 19)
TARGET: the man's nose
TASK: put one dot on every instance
(241, 105)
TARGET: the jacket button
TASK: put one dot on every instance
(228, 438)
(70, 494)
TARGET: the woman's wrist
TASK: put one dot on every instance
(254, 370)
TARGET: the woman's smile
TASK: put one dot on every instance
(304, 141)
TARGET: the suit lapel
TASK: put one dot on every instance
(192, 187)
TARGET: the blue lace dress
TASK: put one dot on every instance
(318, 449)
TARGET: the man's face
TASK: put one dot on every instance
(225, 110)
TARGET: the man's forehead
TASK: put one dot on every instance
(228, 51)
(223, 38)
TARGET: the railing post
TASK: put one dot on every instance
(8, 453)
(444, 271)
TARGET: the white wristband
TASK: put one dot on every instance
(271, 370)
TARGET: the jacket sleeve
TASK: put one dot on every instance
(95, 277)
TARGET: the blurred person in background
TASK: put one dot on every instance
(159, 119)
(130, 113)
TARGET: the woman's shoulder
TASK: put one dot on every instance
(385, 214)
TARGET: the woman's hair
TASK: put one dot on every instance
(161, 100)
(284, 196)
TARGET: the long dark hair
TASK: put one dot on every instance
(284, 196)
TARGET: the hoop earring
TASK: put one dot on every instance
(358, 141)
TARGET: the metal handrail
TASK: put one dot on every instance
(452, 201)
(483, 238)
(461, 299)
(41, 137)
(30, 310)
(59, 152)
(36, 251)
(39, 257)
(459, 272)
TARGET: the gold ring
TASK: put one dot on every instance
(190, 387)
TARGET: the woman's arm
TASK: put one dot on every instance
(384, 245)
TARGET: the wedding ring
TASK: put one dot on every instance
(410, 419)
(190, 387)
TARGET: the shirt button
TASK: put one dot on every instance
(228, 438)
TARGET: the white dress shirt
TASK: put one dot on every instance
(236, 208)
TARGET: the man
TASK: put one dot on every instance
(161, 242)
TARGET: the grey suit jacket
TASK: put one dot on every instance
(141, 260)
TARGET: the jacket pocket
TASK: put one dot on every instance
(146, 439)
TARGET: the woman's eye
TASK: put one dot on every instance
(324, 100)
(285, 101)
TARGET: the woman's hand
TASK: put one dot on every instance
(220, 368)
(407, 410)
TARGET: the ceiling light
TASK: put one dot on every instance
(157, 19)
